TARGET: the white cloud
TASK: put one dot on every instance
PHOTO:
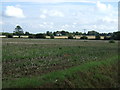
(74, 17)
(14, 12)
(51, 23)
(66, 26)
(48, 1)
(41, 25)
(52, 13)
(46, 25)
(103, 7)
(105, 28)
(56, 13)
(44, 11)
(51, 26)
(74, 23)
(55, 1)
(100, 28)
(1, 22)
(106, 20)
(109, 20)
(42, 16)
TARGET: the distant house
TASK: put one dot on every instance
(58, 34)
(2, 36)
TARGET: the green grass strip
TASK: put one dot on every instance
(60, 74)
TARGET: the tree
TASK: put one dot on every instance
(5, 33)
(40, 36)
(31, 36)
(58, 33)
(49, 33)
(116, 35)
(84, 37)
(70, 37)
(106, 37)
(27, 33)
(92, 33)
(54, 33)
(9, 36)
(18, 31)
(103, 34)
(64, 33)
(109, 34)
(97, 37)
(52, 36)
(78, 33)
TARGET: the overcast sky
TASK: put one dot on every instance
(36, 16)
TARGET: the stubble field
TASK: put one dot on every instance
(40, 63)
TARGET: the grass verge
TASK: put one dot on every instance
(93, 74)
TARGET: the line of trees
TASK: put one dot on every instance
(107, 36)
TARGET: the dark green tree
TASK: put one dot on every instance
(27, 33)
(18, 31)
(78, 33)
(64, 33)
(54, 33)
(116, 35)
(8, 35)
(92, 32)
(84, 37)
(40, 35)
(106, 37)
(49, 33)
(51, 36)
(70, 36)
(97, 37)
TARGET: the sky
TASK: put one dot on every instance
(39, 16)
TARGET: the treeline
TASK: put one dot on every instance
(107, 36)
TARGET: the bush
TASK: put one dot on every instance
(97, 37)
(84, 37)
(9, 36)
(40, 36)
(107, 38)
(70, 37)
(116, 35)
(51, 37)
(31, 36)
(111, 41)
